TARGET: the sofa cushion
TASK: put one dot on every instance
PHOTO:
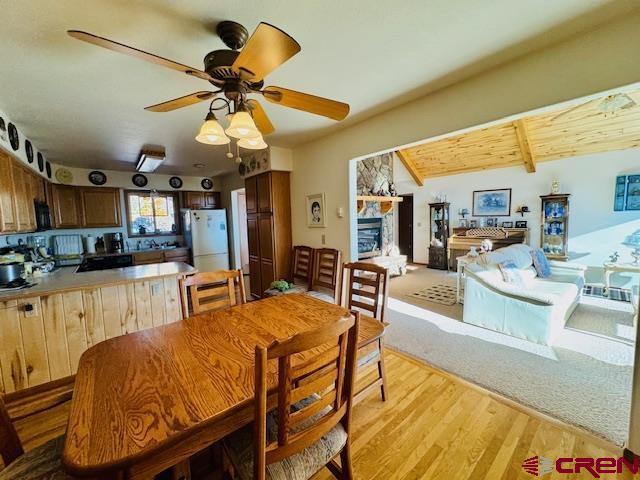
(541, 263)
(560, 293)
(518, 253)
(511, 273)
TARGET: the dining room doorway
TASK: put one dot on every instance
(240, 240)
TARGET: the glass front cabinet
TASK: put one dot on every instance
(439, 220)
(554, 230)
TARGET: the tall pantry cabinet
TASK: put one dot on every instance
(268, 199)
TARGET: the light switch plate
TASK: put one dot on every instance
(155, 289)
(324, 240)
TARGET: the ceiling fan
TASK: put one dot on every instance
(236, 74)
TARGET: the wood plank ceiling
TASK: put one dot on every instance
(578, 130)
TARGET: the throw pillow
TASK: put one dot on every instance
(511, 273)
(540, 262)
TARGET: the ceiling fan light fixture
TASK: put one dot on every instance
(256, 143)
(211, 132)
(241, 125)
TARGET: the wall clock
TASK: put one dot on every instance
(48, 168)
(206, 183)
(97, 177)
(14, 139)
(64, 176)
(28, 149)
(175, 182)
(139, 180)
(3, 130)
(40, 162)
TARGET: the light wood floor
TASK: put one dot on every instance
(432, 427)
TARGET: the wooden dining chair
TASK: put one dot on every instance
(43, 462)
(312, 422)
(214, 290)
(325, 280)
(366, 291)
(302, 267)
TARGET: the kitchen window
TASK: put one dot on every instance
(151, 213)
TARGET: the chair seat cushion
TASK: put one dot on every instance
(41, 463)
(325, 297)
(301, 466)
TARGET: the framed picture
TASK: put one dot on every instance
(315, 210)
(491, 222)
(521, 224)
(463, 223)
(492, 203)
(633, 193)
(507, 224)
(473, 224)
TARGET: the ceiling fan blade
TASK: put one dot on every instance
(260, 117)
(306, 103)
(181, 102)
(135, 52)
(267, 48)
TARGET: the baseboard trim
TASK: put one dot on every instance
(593, 438)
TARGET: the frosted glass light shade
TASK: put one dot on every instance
(256, 143)
(242, 126)
(211, 132)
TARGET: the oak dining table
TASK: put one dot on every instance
(149, 400)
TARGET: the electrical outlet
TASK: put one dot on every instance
(324, 240)
(155, 289)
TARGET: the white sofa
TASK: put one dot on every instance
(536, 312)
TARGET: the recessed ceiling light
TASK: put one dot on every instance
(199, 165)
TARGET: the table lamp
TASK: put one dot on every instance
(633, 241)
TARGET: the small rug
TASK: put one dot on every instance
(613, 293)
(442, 294)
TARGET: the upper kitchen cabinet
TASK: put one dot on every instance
(19, 189)
(92, 207)
(100, 207)
(8, 221)
(66, 206)
(201, 200)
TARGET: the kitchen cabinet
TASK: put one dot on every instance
(42, 338)
(145, 258)
(67, 211)
(177, 255)
(180, 254)
(8, 221)
(268, 229)
(201, 200)
(100, 207)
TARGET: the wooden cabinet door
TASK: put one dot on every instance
(267, 274)
(100, 207)
(22, 190)
(251, 194)
(265, 229)
(194, 200)
(8, 221)
(30, 189)
(66, 206)
(255, 279)
(263, 184)
(212, 200)
(253, 238)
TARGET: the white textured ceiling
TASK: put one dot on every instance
(83, 105)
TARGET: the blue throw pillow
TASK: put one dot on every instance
(540, 262)
(511, 273)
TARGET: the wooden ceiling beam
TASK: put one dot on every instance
(411, 168)
(524, 142)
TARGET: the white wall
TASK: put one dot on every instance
(593, 62)
(595, 230)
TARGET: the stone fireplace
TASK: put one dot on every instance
(376, 174)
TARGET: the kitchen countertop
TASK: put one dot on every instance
(132, 252)
(65, 279)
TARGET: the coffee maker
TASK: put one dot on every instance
(114, 242)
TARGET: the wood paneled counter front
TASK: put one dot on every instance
(45, 329)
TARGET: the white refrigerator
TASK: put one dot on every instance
(205, 232)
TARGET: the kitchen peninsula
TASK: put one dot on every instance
(45, 329)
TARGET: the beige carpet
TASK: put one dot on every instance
(583, 379)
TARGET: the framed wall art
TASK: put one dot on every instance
(315, 210)
(492, 203)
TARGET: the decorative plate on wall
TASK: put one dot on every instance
(242, 169)
(28, 149)
(40, 162)
(48, 167)
(3, 130)
(97, 177)
(64, 176)
(139, 180)
(175, 182)
(206, 183)
(14, 138)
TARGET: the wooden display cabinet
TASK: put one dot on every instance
(439, 230)
(554, 228)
